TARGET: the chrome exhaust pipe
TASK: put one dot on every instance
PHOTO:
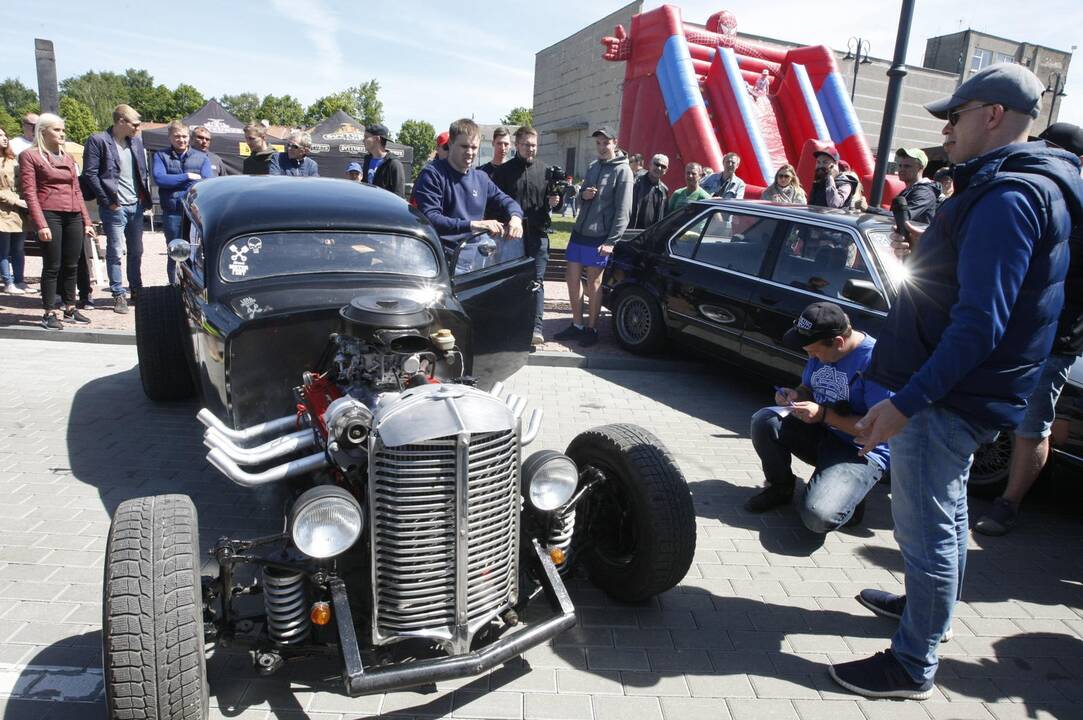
(282, 424)
(279, 447)
(300, 466)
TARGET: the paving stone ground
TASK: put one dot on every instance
(748, 634)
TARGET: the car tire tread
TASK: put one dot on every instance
(159, 326)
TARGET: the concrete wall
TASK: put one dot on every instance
(575, 91)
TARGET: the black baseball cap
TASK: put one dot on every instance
(1064, 135)
(606, 131)
(378, 129)
(819, 321)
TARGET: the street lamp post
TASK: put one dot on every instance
(1055, 86)
(858, 51)
(895, 74)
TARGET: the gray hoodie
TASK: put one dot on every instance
(604, 218)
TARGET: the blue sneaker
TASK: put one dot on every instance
(890, 605)
(880, 676)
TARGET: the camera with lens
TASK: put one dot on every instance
(556, 183)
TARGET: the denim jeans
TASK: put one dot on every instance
(12, 257)
(840, 481)
(1037, 422)
(930, 464)
(123, 233)
(171, 226)
(541, 259)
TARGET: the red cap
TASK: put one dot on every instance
(442, 138)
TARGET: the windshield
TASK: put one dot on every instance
(880, 242)
(293, 253)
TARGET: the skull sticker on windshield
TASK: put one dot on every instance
(238, 254)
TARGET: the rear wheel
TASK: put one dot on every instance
(153, 659)
(992, 463)
(637, 321)
(637, 528)
(160, 334)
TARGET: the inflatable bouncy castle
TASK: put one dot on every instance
(696, 94)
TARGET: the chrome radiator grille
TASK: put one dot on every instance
(444, 555)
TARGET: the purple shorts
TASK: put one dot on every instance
(587, 255)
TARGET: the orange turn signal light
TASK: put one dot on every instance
(321, 613)
(557, 556)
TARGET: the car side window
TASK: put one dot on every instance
(684, 243)
(819, 260)
(736, 241)
(484, 252)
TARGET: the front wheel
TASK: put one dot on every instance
(152, 619)
(991, 466)
(160, 335)
(637, 321)
(637, 531)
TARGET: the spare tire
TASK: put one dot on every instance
(152, 612)
(636, 530)
(160, 335)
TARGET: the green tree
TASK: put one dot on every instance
(367, 106)
(328, 106)
(14, 96)
(186, 100)
(285, 110)
(518, 117)
(78, 119)
(9, 123)
(99, 91)
(138, 79)
(154, 104)
(244, 105)
(421, 136)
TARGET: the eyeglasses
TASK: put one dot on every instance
(953, 116)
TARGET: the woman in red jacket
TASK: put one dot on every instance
(49, 181)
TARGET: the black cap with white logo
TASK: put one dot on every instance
(819, 321)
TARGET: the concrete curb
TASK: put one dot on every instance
(540, 358)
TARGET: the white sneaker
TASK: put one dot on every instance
(13, 289)
(538, 339)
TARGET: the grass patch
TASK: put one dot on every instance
(560, 232)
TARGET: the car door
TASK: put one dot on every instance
(712, 266)
(812, 264)
(496, 291)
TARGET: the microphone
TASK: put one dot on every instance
(901, 210)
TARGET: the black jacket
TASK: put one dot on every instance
(258, 163)
(101, 168)
(922, 199)
(526, 184)
(389, 176)
(648, 203)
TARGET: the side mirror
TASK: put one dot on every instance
(486, 246)
(864, 292)
(472, 254)
(180, 250)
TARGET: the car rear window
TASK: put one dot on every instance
(263, 255)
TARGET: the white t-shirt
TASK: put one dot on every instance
(18, 144)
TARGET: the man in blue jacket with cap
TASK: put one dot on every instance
(963, 348)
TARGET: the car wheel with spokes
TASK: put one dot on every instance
(992, 462)
(637, 321)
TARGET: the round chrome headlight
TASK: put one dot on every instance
(550, 479)
(325, 521)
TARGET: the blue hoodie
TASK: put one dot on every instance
(975, 319)
(451, 199)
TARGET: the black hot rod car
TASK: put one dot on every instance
(339, 361)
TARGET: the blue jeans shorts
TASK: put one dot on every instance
(1037, 423)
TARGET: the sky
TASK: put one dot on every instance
(437, 64)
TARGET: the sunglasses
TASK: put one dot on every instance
(787, 175)
(293, 146)
(953, 116)
(660, 165)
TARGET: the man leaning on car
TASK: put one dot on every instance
(816, 423)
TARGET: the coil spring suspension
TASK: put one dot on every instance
(284, 600)
(560, 535)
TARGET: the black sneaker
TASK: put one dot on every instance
(1001, 518)
(120, 305)
(75, 316)
(890, 605)
(85, 304)
(569, 333)
(880, 676)
(133, 296)
(857, 516)
(590, 337)
(50, 322)
(770, 497)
